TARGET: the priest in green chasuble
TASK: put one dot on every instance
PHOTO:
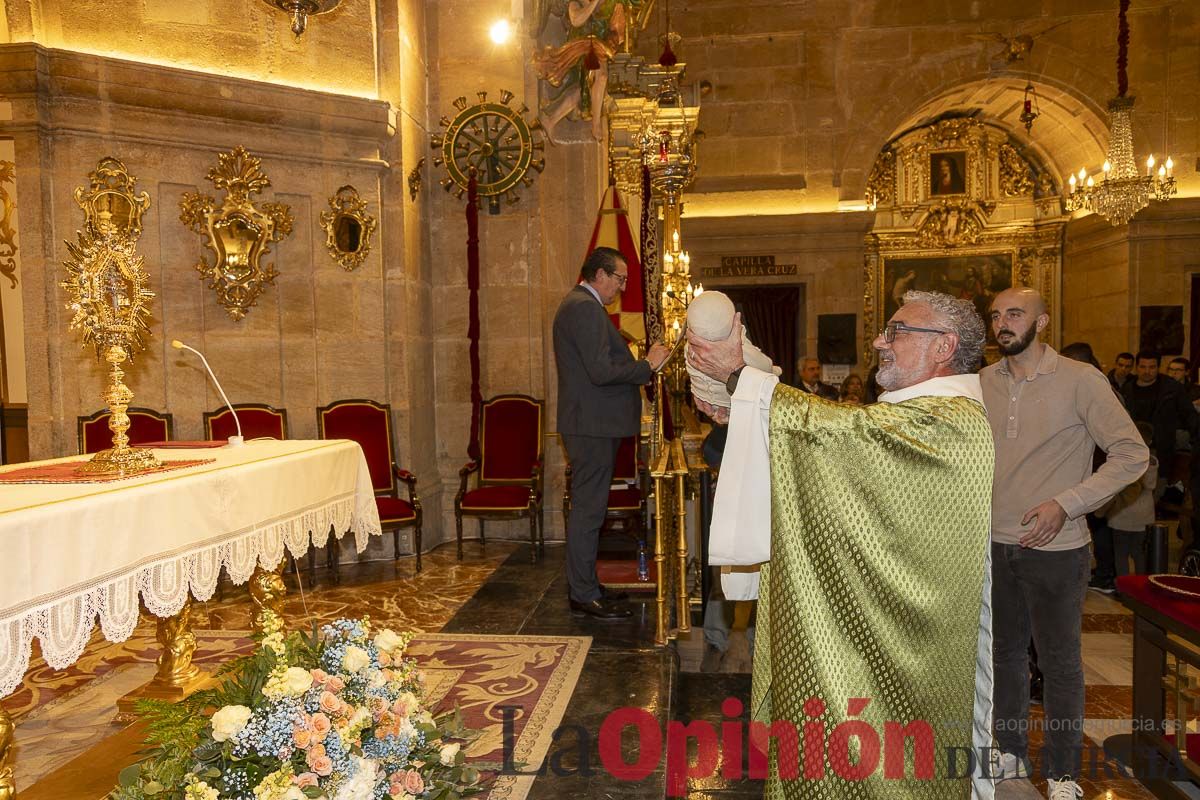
(864, 533)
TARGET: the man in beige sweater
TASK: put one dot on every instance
(1047, 414)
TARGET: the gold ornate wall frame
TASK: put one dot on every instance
(110, 202)
(348, 228)
(8, 234)
(1032, 256)
(238, 233)
(998, 227)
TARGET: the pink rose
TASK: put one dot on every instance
(323, 766)
(396, 789)
(336, 684)
(385, 660)
(304, 780)
(413, 782)
(330, 703)
(320, 725)
(320, 676)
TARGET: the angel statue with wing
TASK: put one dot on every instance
(577, 68)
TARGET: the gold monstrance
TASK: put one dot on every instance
(107, 284)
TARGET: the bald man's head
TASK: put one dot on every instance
(1018, 315)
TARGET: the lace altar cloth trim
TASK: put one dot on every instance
(65, 472)
(64, 625)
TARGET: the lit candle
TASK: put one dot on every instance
(1107, 166)
(1162, 173)
(1090, 182)
(1072, 182)
(1150, 164)
(1082, 174)
(675, 240)
(699, 289)
(1170, 166)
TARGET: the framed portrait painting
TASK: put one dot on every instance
(948, 173)
(978, 278)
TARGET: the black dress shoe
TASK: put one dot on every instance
(600, 609)
(613, 594)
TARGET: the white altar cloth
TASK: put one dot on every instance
(70, 553)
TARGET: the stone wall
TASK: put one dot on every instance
(319, 334)
(1110, 272)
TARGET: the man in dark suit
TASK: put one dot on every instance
(809, 371)
(598, 405)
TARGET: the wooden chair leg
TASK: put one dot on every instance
(533, 544)
(458, 530)
(541, 531)
(395, 544)
(417, 542)
(481, 539)
(312, 566)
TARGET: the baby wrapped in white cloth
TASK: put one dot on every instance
(710, 316)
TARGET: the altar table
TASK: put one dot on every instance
(72, 553)
(1164, 624)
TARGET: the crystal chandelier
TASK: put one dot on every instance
(1121, 191)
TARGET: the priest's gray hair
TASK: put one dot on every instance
(960, 317)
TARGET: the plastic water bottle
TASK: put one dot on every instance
(643, 559)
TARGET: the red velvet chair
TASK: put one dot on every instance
(369, 424)
(627, 505)
(259, 421)
(509, 483)
(145, 425)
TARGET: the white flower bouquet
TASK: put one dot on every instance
(332, 716)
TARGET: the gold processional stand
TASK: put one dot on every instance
(672, 464)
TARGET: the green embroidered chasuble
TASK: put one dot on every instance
(880, 536)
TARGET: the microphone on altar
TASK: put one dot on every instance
(234, 441)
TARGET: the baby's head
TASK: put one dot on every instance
(710, 316)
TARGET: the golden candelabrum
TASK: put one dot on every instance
(106, 281)
(677, 294)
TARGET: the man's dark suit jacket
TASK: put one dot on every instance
(598, 378)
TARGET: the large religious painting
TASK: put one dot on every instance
(978, 278)
(948, 173)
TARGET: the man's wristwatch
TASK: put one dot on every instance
(732, 381)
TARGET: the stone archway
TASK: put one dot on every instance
(1071, 131)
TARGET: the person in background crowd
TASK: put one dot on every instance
(852, 390)
(1131, 512)
(809, 370)
(1180, 369)
(1161, 402)
(1122, 371)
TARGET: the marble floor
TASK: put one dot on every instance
(495, 590)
